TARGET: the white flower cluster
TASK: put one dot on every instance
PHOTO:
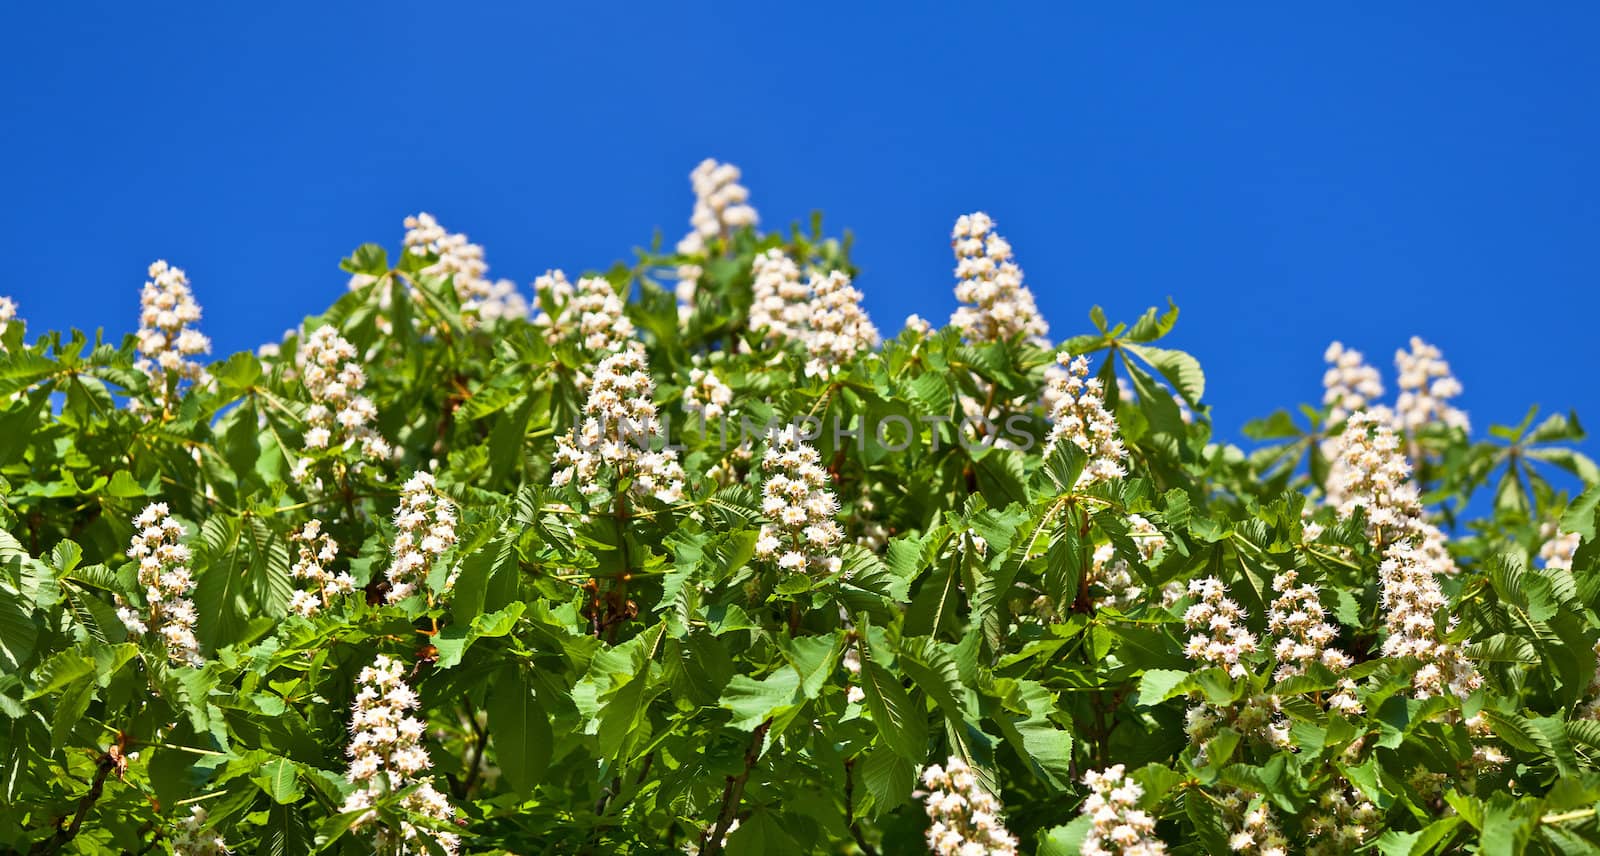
(1340, 822)
(168, 584)
(707, 395)
(965, 818)
(455, 257)
(1426, 387)
(386, 754)
(1369, 471)
(317, 550)
(1119, 826)
(840, 328)
(1349, 384)
(191, 838)
(1253, 831)
(339, 415)
(721, 206)
(1559, 547)
(592, 314)
(824, 313)
(1001, 307)
(166, 338)
(802, 535)
(8, 313)
(427, 527)
(780, 306)
(619, 425)
(1410, 596)
(1304, 635)
(918, 325)
(1080, 416)
(1226, 642)
(1113, 573)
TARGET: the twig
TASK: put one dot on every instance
(732, 793)
(54, 843)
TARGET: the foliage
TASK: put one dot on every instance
(605, 672)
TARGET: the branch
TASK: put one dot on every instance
(732, 793)
(54, 843)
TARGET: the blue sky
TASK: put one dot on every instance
(1288, 177)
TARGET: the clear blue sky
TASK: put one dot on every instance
(1287, 176)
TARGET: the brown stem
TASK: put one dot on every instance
(732, 793)
(62, 835)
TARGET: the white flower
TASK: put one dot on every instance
(339, 415)
(965, 819)
(426, 525)
(721, 207)
(1367, 470)
(463, 262)
(167, 582)
(1226, 641)
(1001, 307)
(1340, 821)
(1559, 547)
(707, 395)
(780, 306)
(191, 838)
(1426, 387)
(1349, 384)
(386, 754)
(8, 313)
(1118, 826)
(1296, 618)
(317, 550)
(1080, 416)
(1410, 596)
(803, 534)
(1115, 575)
(617, 435)
(593, 315)
(839, 326)
(166, 339)
(1254, 831)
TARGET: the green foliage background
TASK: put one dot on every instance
(597, 683)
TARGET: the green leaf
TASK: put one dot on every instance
(1179, 369)
(17, 633)
(902, 723)
(1158, 685)
(286, 833)
(60, 670)
(520, 728)
(753, 702)
(369, 259)
(1580, 515)
(1025, 723)
(280, 779)
(889, 777)
(1066, 840)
